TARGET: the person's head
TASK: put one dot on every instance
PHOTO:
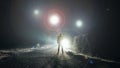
(60, 34)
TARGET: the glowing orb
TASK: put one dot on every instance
(54, 20)
(65, 43)
(36, 12)
(79, 23)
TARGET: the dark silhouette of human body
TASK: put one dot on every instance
(59, 39)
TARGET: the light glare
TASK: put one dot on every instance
(79, 23)
(54, 20)
(36, 12)
(65, 43)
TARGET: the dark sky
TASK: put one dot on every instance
(20, 28)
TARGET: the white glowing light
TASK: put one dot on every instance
(79, 23)
(54, 20)
(36, 12)
(65, 43)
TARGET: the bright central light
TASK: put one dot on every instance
(65, 43)
(54, 20)
(36, 12)
(79, 23)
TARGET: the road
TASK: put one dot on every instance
(46, 57)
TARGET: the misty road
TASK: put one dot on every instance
(46, 58)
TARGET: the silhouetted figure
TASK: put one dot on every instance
(59, 39)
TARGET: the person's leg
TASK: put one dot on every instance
(58, 49)
(62, 50)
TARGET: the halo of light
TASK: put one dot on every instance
(78, 23)
(54, 26)
(65, 43)
(36, 12)
(54, 19)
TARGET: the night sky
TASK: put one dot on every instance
(19, 27)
